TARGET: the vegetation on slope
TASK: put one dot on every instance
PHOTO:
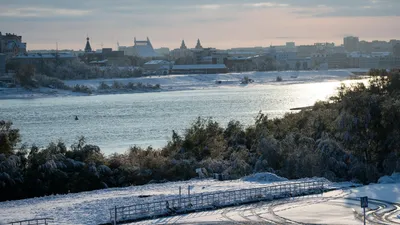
(353, 136)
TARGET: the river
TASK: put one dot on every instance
(115, 122)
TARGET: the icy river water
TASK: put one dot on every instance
(115, 122)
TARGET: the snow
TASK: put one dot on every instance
(334, 207)
(264, 177)
(384, 192)
(394, 178)
(93, 207)
(188, 82)
(199, 66)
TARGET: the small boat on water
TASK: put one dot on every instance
(76, 118)
(294, 76)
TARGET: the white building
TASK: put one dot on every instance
(157, 67)
(182, 52)
(142, 49)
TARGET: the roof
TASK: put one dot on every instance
(12, 44)
(199, 66)
(44, 55)
(87, 47)
(154, 62)
(99, 62)
(145, 51)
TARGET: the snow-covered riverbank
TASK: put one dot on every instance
(182, 82)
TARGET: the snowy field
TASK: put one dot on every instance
(188, 82)
(93, 207)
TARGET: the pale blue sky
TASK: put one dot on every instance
(218, 23)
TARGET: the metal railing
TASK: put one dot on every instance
(38, 221)
(213, 200)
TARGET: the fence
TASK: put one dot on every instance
(40, 221)
(213, 200)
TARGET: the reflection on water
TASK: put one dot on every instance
(115, 122)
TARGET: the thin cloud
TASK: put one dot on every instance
(42, 12)
(266, 4)
(212, 7)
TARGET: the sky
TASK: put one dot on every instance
(217, 23)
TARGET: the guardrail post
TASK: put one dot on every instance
(180, 196)
(115, 215)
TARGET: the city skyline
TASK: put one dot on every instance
(218, 24)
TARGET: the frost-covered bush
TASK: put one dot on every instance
(51, 82)
(214, 165)
(82, 88)
(268, 149)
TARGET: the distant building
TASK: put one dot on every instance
(337, 61)
(353, 61)
(11, 44)
(157, 67)
(304, 63)
(39, 60)
(104, 56)
(283, 56)
(377, 46)
(182, 52)
(88, 48)
(183, 45)
(162, 51)
(396, 50)
(318, 59)
(367, 62)
(203, 55)
(2, 64)
(199, 69)
(240, 64)
(304, 51)
(198, 45)
(381, 46)
(290, 45)
(351, 44)
(142, 49)
(219, 57)
(389, 62)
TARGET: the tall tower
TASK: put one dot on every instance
(198, 45)
(87, 47)
(183, 45)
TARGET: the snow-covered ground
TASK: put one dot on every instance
(187, 82)
(340, 206)
(93, 207)
(334, 207)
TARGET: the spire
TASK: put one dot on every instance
(183, 45)
(198, 45)
(87, 47)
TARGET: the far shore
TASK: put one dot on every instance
(185, 82)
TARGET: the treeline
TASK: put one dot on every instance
(28, 78)
(354, 136)
(128, 86)
(76, 70)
